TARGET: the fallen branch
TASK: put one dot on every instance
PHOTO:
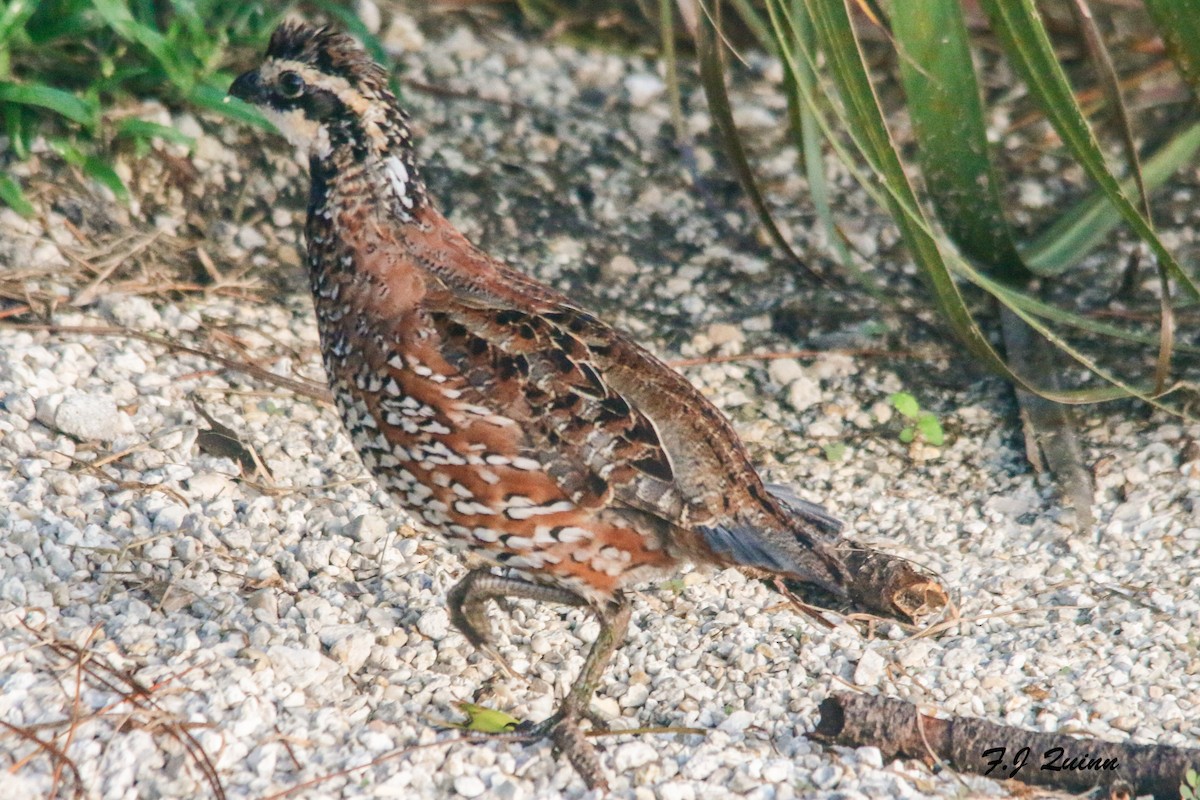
(888, 584)
(875, 581)
(1003, 752)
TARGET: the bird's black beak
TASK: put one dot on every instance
(247, 86)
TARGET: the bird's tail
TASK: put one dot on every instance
(801, 551)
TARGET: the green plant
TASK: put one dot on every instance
(64, 63)
(917, 421)
(834, 451)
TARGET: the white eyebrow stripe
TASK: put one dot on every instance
(369, 113)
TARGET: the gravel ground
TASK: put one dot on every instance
(290, 623)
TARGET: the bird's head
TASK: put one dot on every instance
(325, 94)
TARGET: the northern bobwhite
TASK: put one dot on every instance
(494, 408)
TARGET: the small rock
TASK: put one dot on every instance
(21, 404)
(367, 528)
(775, 771)
(621, 266)
(132, 311)
(352, 650)
(403, 35)
(170, 518)
(508, 790)
(738, 721)
(250, 238)
(644, 88)
(722, 333)
(632, 755)
(209, 485)
(785, 370)
(803, 393)
(434, 623)
(1125, 722)
(871, 757)
(469, 786)
(369, 14)
(265, 603)
(826, 776)
(675, 791)
(870, 669)
(635, 696)
(85, 416)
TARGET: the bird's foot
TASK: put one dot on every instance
(570, 742)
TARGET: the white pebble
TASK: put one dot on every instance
(870, 669)
(469, 786)
(434, 623)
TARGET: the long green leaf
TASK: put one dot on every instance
(946, 108)
(863, 123)
(100, 171)
(1079, 230)
(13, 19)
(215, 97)
(1018, 26)
(1178, 22)
(145, 129)
(60, 102)
(11, 194)
(712, 77)
(116, 14)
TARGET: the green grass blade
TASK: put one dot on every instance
(60, 102)
(134, 128)
(946, 109)
(118, 17)
(214, 97)
(753, 20)
(13, 19)
(1017, 25)
(99, 170)
(1178, 22)
(1078, 231)
(712, 77)
(11, 194)
(867, 127)
(809, 131)
(863, 121)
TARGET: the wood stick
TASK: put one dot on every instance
(1003, 752)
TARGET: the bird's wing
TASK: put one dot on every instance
(541, 369)
(613, 425)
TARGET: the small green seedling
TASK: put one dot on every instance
(834, 451)
(922, 422)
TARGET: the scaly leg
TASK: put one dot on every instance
(563, 726)
(468, 598)
(467, 602)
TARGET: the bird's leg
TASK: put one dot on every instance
(562, 727)
(467, 602)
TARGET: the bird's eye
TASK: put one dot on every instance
(291, 84)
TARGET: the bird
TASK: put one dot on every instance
(498, 411)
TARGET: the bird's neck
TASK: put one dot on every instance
(377, 178)
(364, 206)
